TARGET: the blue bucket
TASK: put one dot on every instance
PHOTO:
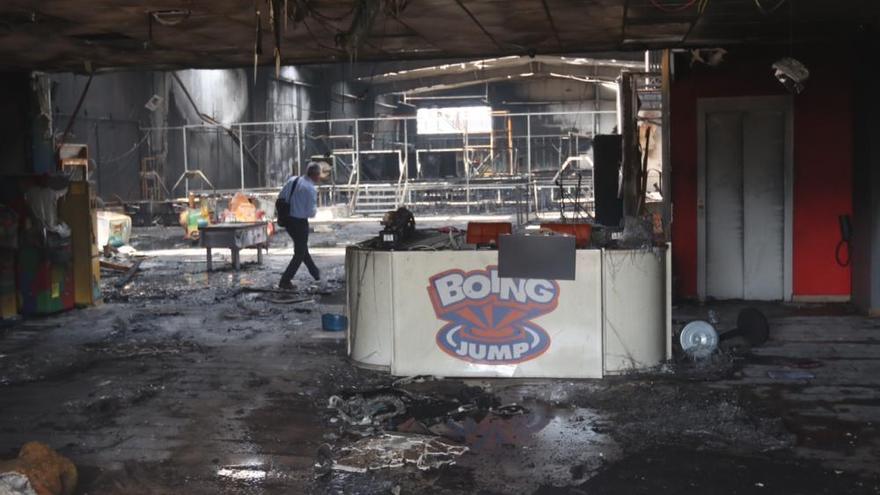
(334, 322)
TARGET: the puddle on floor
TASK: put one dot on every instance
(548, 445)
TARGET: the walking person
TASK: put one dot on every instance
(302, 197)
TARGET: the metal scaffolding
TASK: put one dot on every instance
(524, 157)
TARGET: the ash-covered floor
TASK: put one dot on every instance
(188, 382)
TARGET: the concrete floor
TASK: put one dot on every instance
(182, 383)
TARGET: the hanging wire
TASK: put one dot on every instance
(673, 8)
(702, 7)
(129, 152)
(764, 10)
(314, 12)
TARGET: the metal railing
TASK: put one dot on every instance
(518, 156)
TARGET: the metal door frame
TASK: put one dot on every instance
(710, 105)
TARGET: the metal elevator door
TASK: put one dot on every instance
(745, 203)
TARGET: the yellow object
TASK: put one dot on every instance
(8, 306)
(193, 218)
(8, 297)
(78, 209)
(49, 472)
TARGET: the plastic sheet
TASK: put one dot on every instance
(43, 202)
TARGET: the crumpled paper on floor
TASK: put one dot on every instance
(15, 484)
(391, 450)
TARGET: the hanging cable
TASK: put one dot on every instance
(845, 243)
(673, 8)
(702, 6)
(843, 246)
(765, 10)
(131, 150)
(79, 102)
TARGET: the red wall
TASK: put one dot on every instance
(823, 160)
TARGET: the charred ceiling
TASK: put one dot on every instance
(80, 35)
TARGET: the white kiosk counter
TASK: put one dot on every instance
(447, 313)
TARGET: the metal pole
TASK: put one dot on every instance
(619, 108)
(467, 173)
(357, 153)
(630, 137)
(529, 166)
(299, 163)
(597, 95)
(666, 130)
(241, 156)
(185, 165)
(370, 119)
(405, 150)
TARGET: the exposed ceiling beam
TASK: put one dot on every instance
(441, 82)
(477, 22)
(418, 33)
(522, 64)
(552, 25)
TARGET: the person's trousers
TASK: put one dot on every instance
(298, 229)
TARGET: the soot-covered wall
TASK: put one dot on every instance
(14, 129)
(115, 123)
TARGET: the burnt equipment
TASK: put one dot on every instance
(400, 224)
(606, 179)
(699, 339)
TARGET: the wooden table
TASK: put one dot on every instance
(235, 237)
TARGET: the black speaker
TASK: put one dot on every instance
(607, 154)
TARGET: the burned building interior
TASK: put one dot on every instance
(549, 247)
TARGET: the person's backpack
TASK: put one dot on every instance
(282, 206)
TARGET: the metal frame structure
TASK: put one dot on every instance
(407, 190)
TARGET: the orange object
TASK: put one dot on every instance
(581, 231)
(487, 232)
(49, 472)
(242, 208)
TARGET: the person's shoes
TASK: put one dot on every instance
(316, 275)
(285, 285)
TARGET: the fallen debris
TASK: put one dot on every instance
(392, 450)
(414, 379)
(38, 470)
(388, 407)
(15, 484)
(132, 271)
(360, 411)
(111, 265)
(700, 339)
(508, 410)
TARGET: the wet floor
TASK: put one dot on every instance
(183, 382)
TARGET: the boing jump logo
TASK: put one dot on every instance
(489, 318)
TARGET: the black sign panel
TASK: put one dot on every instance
(534, 256)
